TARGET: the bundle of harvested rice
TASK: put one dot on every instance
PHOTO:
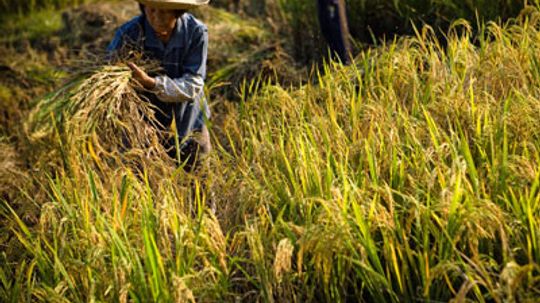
(99, 111)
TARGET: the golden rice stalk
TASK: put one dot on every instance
(183, 293)
(101, 112)
(216, 240)
(283, 259)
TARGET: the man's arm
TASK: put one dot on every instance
(191, 84)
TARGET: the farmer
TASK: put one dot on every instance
(333, 23)
(166, 32)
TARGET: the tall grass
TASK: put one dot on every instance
(411, 175)
(404, 177)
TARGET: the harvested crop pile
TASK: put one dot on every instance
(98, 113)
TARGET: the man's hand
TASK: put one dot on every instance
(141, 76)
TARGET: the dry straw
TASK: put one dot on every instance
(101, 111)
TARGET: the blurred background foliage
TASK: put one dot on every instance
(371, 20)
(8, 7)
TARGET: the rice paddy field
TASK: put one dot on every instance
(411, 175)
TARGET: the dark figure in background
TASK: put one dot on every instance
(333, 22)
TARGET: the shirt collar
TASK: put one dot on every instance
(176, 38)
(153, 41)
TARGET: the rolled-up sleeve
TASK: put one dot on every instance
(191, 84)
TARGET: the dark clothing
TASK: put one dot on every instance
(179, 94)
(333, 23)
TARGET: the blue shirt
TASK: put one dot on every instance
(179, 94)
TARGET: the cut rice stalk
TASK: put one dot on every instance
(100, 106)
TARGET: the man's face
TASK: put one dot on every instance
(163, 21)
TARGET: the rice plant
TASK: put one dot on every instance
(411, 175)
(395, 178)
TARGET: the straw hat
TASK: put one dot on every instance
(174, 4)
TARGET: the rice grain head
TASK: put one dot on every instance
(183, 293)
(283, 259)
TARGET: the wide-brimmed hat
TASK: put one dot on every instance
(174, 4)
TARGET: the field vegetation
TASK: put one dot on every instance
(372, 20)
(8, 7)
(411, 175)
